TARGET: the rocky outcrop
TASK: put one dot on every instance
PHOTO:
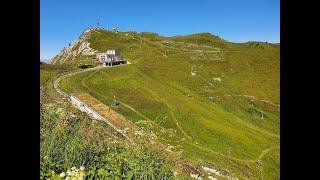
(80, 46)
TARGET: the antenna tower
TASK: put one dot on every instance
(98, 23)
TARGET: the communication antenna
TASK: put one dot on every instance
(115, 29)
(98, 23)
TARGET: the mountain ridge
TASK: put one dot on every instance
(82, 47)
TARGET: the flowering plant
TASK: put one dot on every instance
(71, 174)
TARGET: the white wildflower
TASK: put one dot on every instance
(63, 174)
(82, 168)
(68, 172)
(81, 176)
(73, 168)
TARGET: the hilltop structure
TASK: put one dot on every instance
(110, 58)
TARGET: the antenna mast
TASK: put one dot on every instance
(98, 23)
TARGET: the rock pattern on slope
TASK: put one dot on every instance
(80, 46)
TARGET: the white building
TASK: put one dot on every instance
(102, 56)
(110, 57)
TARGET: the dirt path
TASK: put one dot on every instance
(137, 112)
(179, 127)
(249, 97)
(220, 154)
(151, 122)
(266, 151)
(260, 163)
(57, 81)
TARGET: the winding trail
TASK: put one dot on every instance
(266, 151)
(57, 81)
(180, 128)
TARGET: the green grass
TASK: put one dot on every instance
(159, 86)
(271, 172)
(70, 138)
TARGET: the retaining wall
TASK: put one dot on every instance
(83, 107)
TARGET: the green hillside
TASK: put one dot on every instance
(69, 138)
(208, 116)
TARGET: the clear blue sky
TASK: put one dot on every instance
(62, 21)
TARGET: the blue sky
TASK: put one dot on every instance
(62, 21)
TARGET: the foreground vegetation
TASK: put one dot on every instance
(201, 115)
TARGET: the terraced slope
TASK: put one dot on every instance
(194, 93)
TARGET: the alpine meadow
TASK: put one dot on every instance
(182, 107)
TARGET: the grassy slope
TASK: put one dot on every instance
(159, 86)
(70, 138)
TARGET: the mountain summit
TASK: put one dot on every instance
(81, 46)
